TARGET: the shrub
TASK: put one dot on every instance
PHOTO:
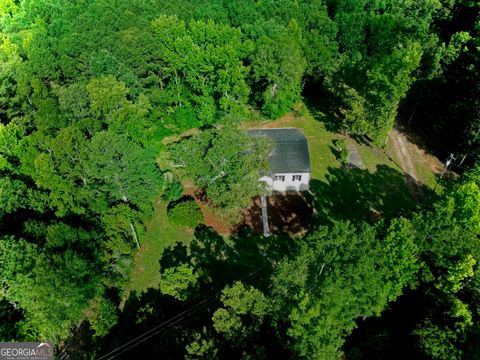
(173, 190)
(176, 281)
(186, 213)
(104, 317)
(340, 150)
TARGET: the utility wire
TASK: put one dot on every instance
(158, 329)
(181, 315)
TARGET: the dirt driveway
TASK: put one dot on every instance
(408, 149)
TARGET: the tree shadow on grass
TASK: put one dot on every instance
(140, 314)
(324, 106)
(246, 257)
(356, 194)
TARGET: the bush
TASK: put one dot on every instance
(173, 190)
(340, 150)
(104, 317)
(186, 213)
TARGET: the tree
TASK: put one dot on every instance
(243, 312)
(226, 163)
(177, 281)
(185, 212)
(449, 238)
(104, 316)
(278, 66)
(201, 347)
(11, 319)
(320, 44)
(381, 46)
(344, 273)
(106, 95)
(58, 164)
(387, 84)
(445, 101)
(52, 289)
(202, 67)
(88, 89)
(112, 165)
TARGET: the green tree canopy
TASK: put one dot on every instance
(226, 163)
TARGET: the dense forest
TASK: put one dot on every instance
(89, 91)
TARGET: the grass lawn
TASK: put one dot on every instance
(344, 193)
(373, 156)
(319, 140)
(159, 235)
(339, 192)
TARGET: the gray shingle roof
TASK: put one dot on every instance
(290, 150)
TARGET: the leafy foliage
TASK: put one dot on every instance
(88, 90)
(343, 274)
(173, 189)
(185, 212)
(105, 316)
(176, 281)
(341, 151)
(240, 302)
(452, 250)
(226, 163)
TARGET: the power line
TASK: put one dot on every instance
(151, 334)
(148, 337)
(158, 329)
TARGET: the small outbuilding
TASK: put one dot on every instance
(289, 160)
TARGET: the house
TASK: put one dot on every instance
(289, 159)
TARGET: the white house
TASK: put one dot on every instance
(289, 159)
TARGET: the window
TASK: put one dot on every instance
(279, 178)
(297, 178)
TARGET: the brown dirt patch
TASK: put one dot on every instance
(288, 120)
(402, 151)
(252, 216)
(210, 219)
(169, 139)
(290, 213)
(417, 146)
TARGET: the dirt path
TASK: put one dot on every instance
(402, 148)
(399, 142)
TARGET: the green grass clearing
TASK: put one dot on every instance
(345, 193)
(319, 140)
(340, 192)
(159, 235)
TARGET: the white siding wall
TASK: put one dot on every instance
(289, 184)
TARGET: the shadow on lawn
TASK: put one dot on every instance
(289, 213)
(324, 106)
(246, 257)
(356, 194)
(141, 313)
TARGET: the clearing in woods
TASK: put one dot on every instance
(389, 179)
